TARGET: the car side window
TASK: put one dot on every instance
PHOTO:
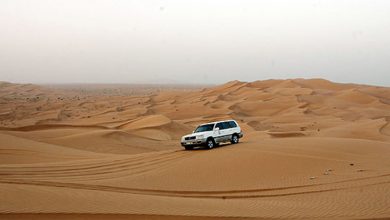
(220, 126)
(232, 124)
(226, 125)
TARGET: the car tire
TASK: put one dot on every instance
(235, 139)
(188, 147)
(210, 143)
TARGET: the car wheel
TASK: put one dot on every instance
(188, 147)
(234, 139)
(210, 143)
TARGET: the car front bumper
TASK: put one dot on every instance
(194, 142)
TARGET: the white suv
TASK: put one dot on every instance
(212, 134)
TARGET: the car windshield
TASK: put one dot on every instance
(206, 127)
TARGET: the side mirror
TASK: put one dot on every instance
(216, 129)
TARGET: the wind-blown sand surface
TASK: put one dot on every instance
(312, 149)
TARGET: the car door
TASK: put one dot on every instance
(219, 132)
(234, 127)
(227, 131)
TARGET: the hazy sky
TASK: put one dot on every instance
(184, 41)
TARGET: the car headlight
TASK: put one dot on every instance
(199, 136)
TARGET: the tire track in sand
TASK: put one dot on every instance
(234, 194)
(94, 169)
(227, 194)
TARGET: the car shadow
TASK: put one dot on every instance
(216, 147)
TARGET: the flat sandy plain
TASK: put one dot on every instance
(312, 149)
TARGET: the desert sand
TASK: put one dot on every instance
(312, 149)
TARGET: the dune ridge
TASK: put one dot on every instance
(312, 149)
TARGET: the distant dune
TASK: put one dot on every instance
(312, 149)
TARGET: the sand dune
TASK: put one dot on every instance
(16, 150)
(312, 149)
